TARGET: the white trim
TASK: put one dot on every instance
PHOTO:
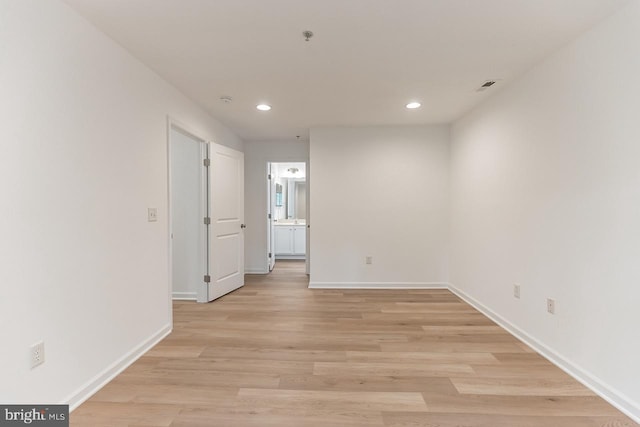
(255, 271)
(100, 380)
(378, 285)
(169, 228)
(191, 296)
(291, 257)
(602, 389)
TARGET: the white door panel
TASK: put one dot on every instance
(227, 259)
(226, 232)
(225, 170)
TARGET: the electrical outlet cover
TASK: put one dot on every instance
(152, 214)
(37, 354)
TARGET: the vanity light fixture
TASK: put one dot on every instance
(293, 170)
(413, 105)
(263, 107)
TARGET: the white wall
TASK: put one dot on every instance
(83, 153)
(256, 156)
(546, 193)
(380, 192)
(187, 213)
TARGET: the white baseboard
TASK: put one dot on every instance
(100, 380)
(608, 393)
(191, 296)
(378, 285)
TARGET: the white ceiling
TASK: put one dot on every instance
(368, 58)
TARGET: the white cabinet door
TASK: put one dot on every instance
(299, 240)
(283, 240)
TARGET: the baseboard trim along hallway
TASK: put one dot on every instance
(378, 285)
(186, 296)
(608, 393)
(102, 379)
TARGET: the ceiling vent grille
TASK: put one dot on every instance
(486, 85)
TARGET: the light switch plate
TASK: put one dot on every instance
(551, 306)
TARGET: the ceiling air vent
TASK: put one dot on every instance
(486, 85)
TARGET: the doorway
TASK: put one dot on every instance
(206, 217)
(287, 228)
(188, 206)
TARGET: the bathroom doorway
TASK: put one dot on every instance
(287, 226)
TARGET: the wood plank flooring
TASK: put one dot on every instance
(275, 353)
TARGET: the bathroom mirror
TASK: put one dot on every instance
(296, 198)
(278, 195)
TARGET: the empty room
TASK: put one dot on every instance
(320, 213)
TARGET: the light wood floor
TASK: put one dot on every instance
(275, 353)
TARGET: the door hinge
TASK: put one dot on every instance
(207, 220)
(207, 162)
(269, 216)
(207, 278)
(269, 176)
(269, 254)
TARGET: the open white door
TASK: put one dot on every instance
(226, 229)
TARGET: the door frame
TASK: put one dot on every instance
(271, 256)
(172, 124)
(285, 159)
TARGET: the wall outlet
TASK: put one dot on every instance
(516, 290)
(37, 354)
(368, 260)
(551, 306)
(152, 214)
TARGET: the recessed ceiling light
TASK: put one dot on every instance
(263, 107)
(413, 105)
